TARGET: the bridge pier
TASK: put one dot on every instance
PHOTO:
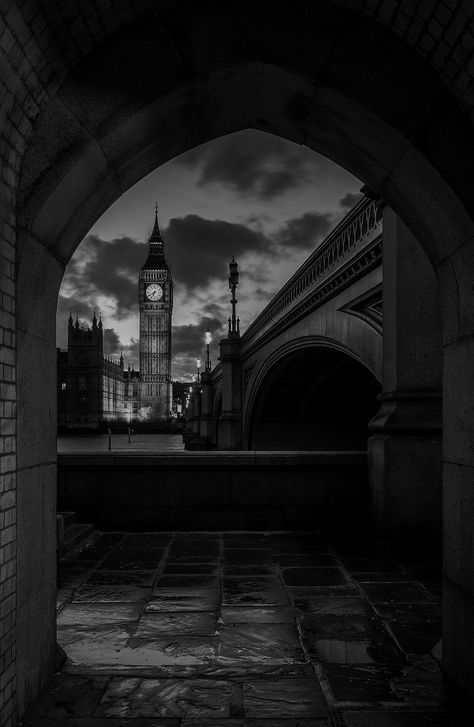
(192, 439)
(230, 420)
(405, 448)
(205, 423)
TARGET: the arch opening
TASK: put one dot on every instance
(314, 399)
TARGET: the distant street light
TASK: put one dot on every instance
(198, 366)
(208, 341)
(234, 323)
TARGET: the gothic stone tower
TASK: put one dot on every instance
(155, 299)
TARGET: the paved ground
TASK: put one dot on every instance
(120, 443)
(234, 629)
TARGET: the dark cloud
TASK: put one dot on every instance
(349, 200)
(108, 268)
(256, 164)
(188, 343)
(112, 344)
(305, 231)
(200, 250)
(189, 338)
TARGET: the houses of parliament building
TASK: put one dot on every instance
(94, 389)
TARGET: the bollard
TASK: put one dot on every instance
(109, 432)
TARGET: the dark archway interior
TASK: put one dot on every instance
(314, 399)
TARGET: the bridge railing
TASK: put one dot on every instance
(353, 247)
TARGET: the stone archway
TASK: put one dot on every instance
(325, 77)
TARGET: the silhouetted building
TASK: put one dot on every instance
(90, 385)
(131, 394)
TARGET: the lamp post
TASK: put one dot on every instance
(198, 366)
(234, 324)
(208, 341)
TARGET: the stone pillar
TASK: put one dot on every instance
(206, 408)
(40, 274)
(405, 448)
(230, 420)
(196, 409)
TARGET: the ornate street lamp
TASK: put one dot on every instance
(198, 366)
(208, 341)
(234, 324)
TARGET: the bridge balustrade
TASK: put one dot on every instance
(350, 250)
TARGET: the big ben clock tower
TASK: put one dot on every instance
(155, 299)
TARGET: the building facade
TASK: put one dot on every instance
(90, 385)
(93, 389)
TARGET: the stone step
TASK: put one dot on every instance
(73, 535)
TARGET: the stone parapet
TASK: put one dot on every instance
(216, 490)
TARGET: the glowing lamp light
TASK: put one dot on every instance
(198, 362)
(208, 337)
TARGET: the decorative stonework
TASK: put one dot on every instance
(348, 253)
(368, 307)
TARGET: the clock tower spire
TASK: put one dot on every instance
(155, 299)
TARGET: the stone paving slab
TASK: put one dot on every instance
(85, 614)
(397, 592)
(293, 698)
(260, 644)
(323, 576)
(256, 615)
(100, 722)
(418, 718)
(333, 604)
(260, 722)
(262, 591)
(183, 599)
(111, 594)
(121, 578)
(191, 698)
(351, 639)
(235, 673)
(195, 623)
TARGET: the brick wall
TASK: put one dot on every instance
(7, 454)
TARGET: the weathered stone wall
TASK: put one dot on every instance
(217, 491)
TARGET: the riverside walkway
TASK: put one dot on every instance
(255, 629)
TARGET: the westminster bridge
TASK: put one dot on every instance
(344, 358)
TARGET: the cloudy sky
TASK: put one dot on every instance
(264, 200)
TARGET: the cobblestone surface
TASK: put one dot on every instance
(263, 629)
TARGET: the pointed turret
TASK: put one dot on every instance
(77, 322)
(156, 248)
(94, 321)
(121, 360)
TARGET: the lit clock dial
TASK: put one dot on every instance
(154, 292)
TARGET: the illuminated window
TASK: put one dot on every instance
(63, 386)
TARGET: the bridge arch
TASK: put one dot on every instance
(304, 383)
(321, 75)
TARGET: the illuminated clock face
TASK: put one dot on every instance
(154, 292)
